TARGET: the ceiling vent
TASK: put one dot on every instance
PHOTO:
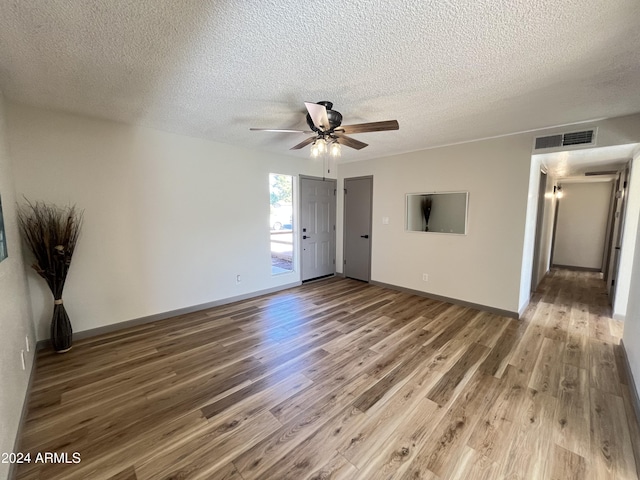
(585, 137)
(552, 141)
(577, 138)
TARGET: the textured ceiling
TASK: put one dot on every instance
(448, 71)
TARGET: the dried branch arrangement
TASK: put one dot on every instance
(51, 232)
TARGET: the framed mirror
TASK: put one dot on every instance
(437, 212)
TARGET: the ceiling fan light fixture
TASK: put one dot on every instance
(314, 150)
(322, 145)
(335, 150)
(319, 147)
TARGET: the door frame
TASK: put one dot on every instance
(299, 213)
(608, 244)
(542, 189)
(622, 187)
(344, 223)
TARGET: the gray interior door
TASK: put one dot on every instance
(358, 196)
(317, 227)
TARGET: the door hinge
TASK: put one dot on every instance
(334, 191)
(334, 261)
(345, 261)
(345, 191)
(624, 185)
(613, 282)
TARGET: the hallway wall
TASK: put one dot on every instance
(631, 336)
(582, 223)
(629, 235)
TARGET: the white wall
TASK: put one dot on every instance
(627, 252)
(631, 314)
(631, 336)
(481, 267)
(15, 314)
(169, 220)
(582, 223)
(530, 222)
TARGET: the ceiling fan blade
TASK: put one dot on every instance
(369, 127)
(350, 142)
(279, 130)
(318, 114)
(303, 144)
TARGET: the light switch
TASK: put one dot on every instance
(385, 220)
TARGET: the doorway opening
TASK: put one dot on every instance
(586, 234)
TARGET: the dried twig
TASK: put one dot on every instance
(51, 233)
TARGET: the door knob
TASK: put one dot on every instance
(364, 236)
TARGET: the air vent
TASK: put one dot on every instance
(549, 142)
(586, 137)
(577, 138)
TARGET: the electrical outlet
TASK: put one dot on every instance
(24, 365)
(26, 341)
(237, 279)
(425, 277)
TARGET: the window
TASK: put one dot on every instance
(281, 222)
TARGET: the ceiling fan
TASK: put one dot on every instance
(328, 131)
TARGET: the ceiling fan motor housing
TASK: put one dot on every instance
(334, 117)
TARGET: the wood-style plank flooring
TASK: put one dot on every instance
(344, 380)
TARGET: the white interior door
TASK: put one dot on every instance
(317, 227)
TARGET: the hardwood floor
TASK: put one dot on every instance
(344, 380)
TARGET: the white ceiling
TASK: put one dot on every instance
(448, 71)
(572, 165)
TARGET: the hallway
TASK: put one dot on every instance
(582, 366)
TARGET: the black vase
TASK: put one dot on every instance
(61, 332)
